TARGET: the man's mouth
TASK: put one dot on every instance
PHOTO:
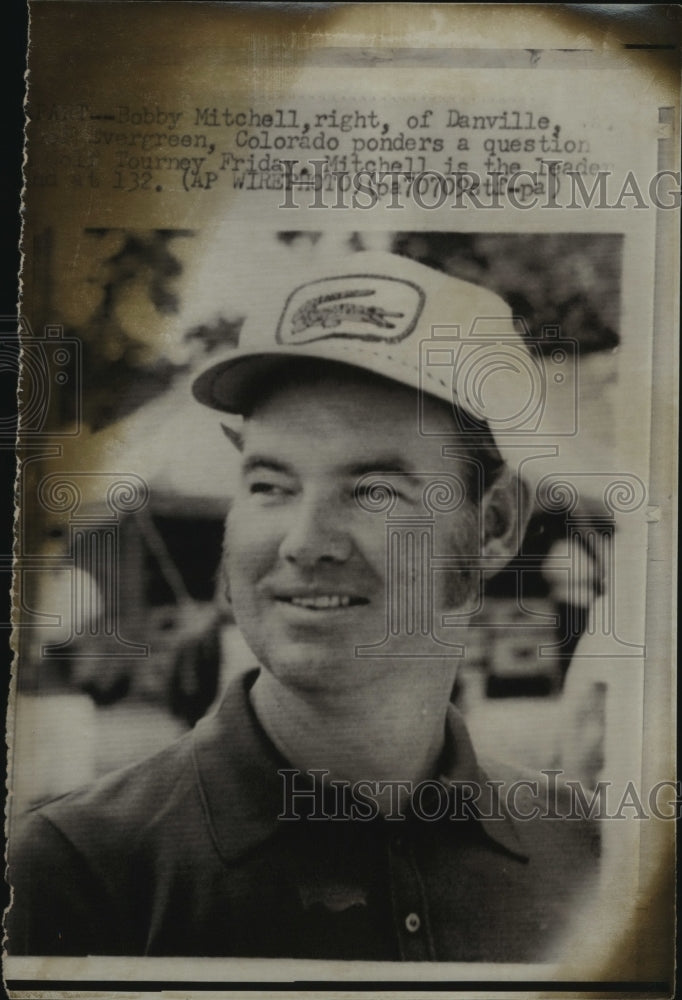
(323, 602)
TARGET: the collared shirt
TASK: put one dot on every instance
(185, 854)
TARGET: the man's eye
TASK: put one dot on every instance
(266, 489)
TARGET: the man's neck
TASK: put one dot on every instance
(390, 731)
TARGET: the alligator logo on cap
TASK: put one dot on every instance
(362, 307)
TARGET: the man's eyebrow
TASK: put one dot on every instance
(384, 465)
(253, 462)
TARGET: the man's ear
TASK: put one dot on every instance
(505, 514)
(234, 436)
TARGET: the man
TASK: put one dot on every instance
(332, 807)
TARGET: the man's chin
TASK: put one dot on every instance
(317, 670)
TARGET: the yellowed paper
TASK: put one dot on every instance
(185, 162)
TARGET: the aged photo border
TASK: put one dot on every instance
(661, 476)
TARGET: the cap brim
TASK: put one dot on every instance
(230, 385)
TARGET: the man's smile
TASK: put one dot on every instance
(322, 601)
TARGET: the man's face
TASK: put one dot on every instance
(309, 572)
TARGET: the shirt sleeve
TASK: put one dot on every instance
(56, 906)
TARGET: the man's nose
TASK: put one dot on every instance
(314, 533)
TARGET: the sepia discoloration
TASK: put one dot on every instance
(141, 252)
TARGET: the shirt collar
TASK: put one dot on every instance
(237, 772)
(460, 767)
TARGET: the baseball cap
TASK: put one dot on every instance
(389, 315)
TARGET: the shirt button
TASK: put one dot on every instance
(412, 922)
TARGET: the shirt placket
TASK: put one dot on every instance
(408, 900)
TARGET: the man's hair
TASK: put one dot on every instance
(484, 462)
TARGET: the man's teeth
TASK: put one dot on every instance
(323, 601)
